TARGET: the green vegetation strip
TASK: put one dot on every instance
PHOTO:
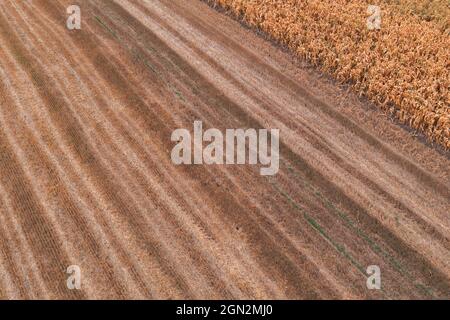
(349, 223)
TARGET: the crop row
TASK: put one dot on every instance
(404, 67)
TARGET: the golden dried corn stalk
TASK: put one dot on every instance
(404, 67)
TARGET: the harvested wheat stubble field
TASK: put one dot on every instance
(86, 176)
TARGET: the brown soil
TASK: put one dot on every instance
(86, 177)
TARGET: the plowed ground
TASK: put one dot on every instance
(86, 177)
